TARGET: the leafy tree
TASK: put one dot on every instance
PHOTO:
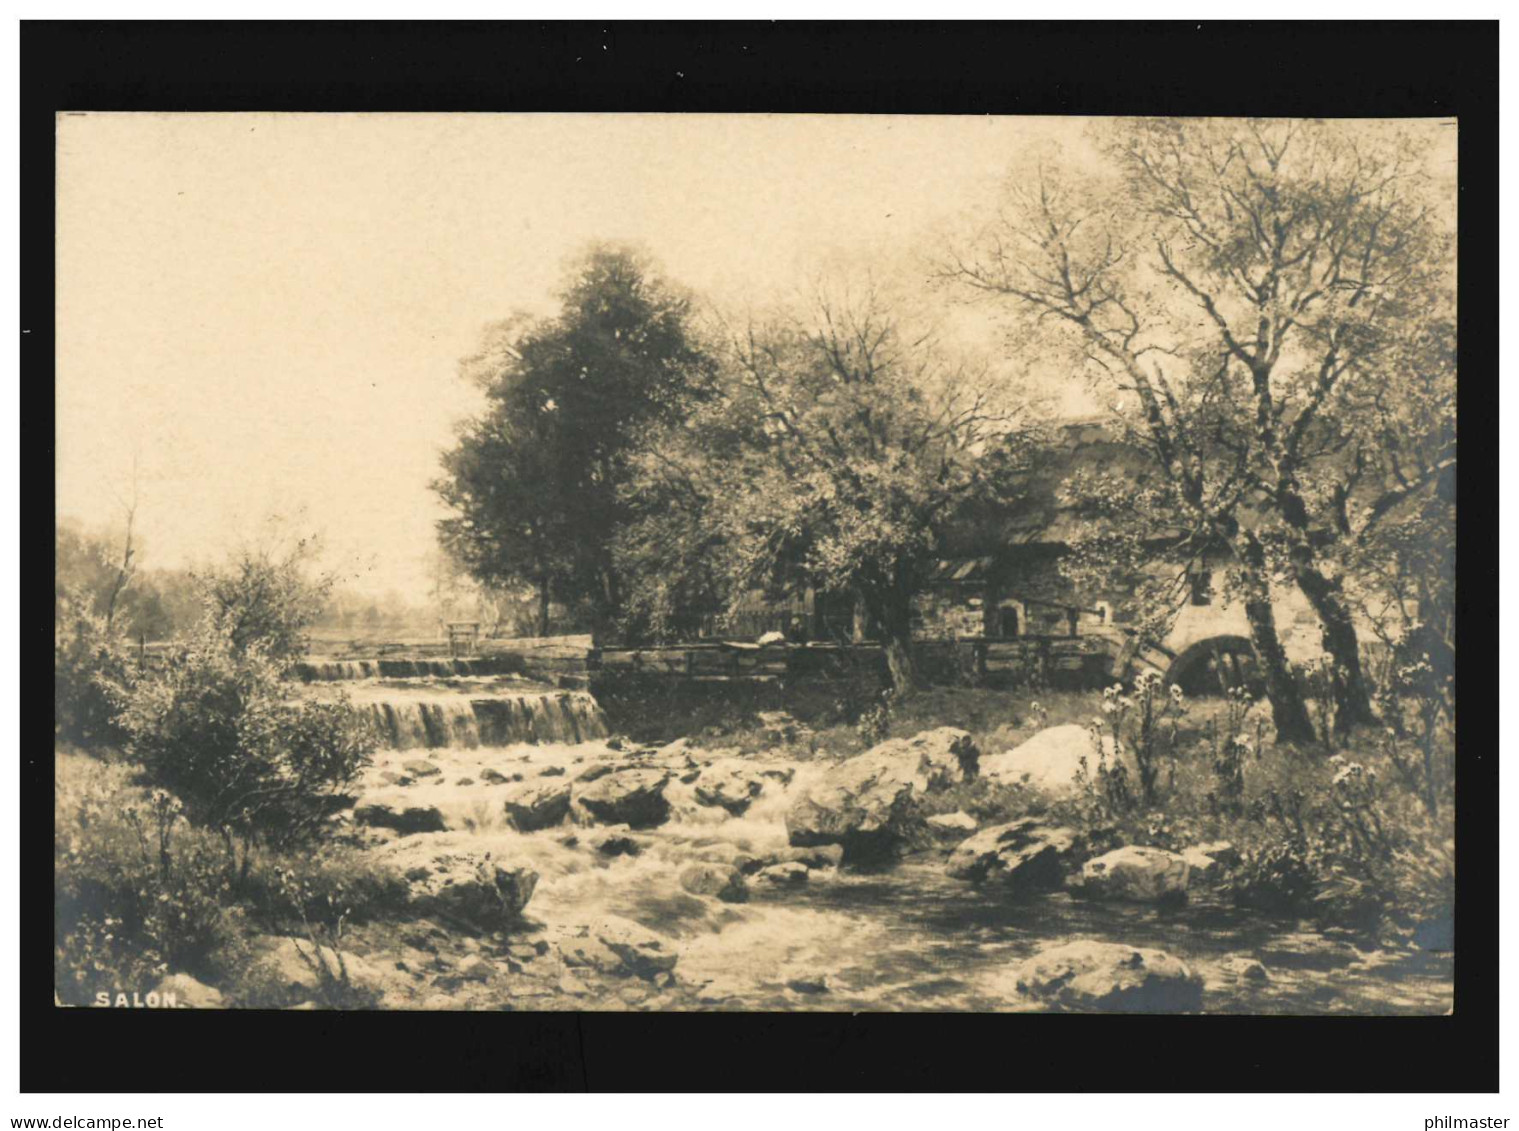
(1248, 286)
(535, 481)
(834, 455)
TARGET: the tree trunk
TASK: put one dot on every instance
(543, 606)
(1352, 703)
(892, 613)
(1288, 711)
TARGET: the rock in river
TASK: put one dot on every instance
(726, 884)
(536, 807)
(1144, 875)
(474, 886)
(412, 819)
(1026, 855)
(868, 805)
(635, 798)
(1109, 977)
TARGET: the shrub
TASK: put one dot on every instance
(138, 892)
(90, 673)
(249, 758)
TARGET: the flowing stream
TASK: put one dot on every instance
(908, 937)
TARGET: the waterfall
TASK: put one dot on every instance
(320, 671)
(500, 720)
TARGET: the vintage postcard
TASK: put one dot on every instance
(581, 562)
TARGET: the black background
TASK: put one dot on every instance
(1321, 69)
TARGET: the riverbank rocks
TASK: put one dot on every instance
(726, 884)
(1142, 875)
(868, 805)
(538, 807)
(1025, 855)
(619, 946)
(1050, 761)
(305, 968)
(1090, 976)
(420, 768)
(635, 798)
(474, 886)
(408, 820)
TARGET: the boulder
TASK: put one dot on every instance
(1090, 976)
(1144, 875)
(534, 807)
(868, 805)
(411, 819)
(1025, 855)
(493, 777)
(635, 798)
(474, 886)
(619, 846)
(1050, 761)
(420, 768)
(552, 772)
(1211, 861)
(725, 884)
(188, 993)
(933, 759)
(730, 787)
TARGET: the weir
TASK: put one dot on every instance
(435, 703)
(319, 671)
(498, 720)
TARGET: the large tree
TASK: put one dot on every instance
(833, 456)
(1251, 286)
(534, 482)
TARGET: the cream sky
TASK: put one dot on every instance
(267, 311)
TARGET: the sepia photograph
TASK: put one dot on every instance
(757, 563)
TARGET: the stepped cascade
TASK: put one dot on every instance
(456, 703)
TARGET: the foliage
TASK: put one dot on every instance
(91, 672)
(833, 453)
(1267, 299)
(150, 604)
(138, 892)
(264, 599)
(534, 482)
(218, 726)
